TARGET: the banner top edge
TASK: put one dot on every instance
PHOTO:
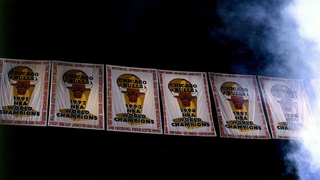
(182, 71)
(110, 65)
(24, 59)
(295, 79)
(231, 74)
(76, 62)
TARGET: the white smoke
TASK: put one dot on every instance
(307, 15)
(264, 38)
(304, 156)
(278, 38)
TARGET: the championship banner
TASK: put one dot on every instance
(77, 95)
(315, 84)
(287, 107)
(24, 92)
(239, 107)
(186, 103)
(133, 100)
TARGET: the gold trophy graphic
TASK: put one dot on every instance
(289, 105)
(186, 95)
(23, 80)
(238, 98)
(133, 89)
(79, 85)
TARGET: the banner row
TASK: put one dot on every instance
(65, 94)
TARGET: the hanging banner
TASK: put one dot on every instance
(315, 85)
(186, 103)
(77, 95)
(287, 107)
(24, 92)
(239, 107)
(133, 100)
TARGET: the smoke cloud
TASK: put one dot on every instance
(264, 38)
(282, 39)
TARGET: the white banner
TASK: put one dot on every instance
(77, 95)
(239, 107)
(287, 107)
(186, 103)
(133, 100)
(24, 92)
(315, 84)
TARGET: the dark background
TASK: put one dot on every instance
(162, 34)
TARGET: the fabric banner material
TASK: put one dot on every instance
(315, 85)
(186, 103)
(77, 95)
(287, 107)
(24, 92)
(133, 100)
(239, 106)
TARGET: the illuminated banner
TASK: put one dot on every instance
(315, 84)
(239, 106)
(133, 100)
(287, 107)
(24, 92)
(186, 103)
(77, 95)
